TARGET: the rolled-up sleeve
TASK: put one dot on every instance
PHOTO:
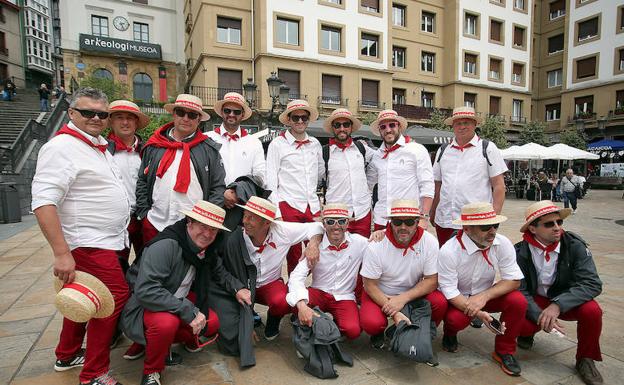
(447, 273)
(509, 269)
(54, 175)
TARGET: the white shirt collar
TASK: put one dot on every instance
(291, 139)
(224, 131)
(474, 141)
(471, 247)
(325, 242)
(96, 140)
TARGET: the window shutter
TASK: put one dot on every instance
(230, 80)
(495, 30)
(494, 105)
(370, 90)
(225, 22)
(586, 67)
(291, 79)
(331, 86)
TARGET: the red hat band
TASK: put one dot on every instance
(404, 210)
(86, 292)
(335, 212)
(185, 103)
(478, 216)
(543, 211)
(260, 209)
(208, 214)
(124, 108)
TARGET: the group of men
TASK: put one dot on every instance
(211, 223)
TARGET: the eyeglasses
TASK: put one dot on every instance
(485, 228)
(297, 118)
(182, 113)
(551, 224)
(337, 125)
(227, 111)
(331, 222)
(90, 114)
(399, 222)
(388, 125)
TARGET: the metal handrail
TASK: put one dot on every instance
(333, 101)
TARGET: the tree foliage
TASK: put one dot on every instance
(533, 132)
(368, 117)
(114, 90)
(493, 129)
(572, 138)
(436, 121)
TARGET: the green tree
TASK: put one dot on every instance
(572, 138)
(533, 132)
(436, 121)
(493, 129)
(368, 117)
(114, 90)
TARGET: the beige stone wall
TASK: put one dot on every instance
(14, 60)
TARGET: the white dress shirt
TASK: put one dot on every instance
(466, 272)
(283, 235)
(398, 273)
(293, 173)
(347, 182)
(244, 156)
(404, 174)
(187, 282)
(85, 186)
(128, 164)
(546, 271)
(335, 272)
(465, 176)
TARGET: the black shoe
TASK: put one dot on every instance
(116, 338)
(75, 362)
(449, 343)
(173, 359)
(378, 341)
(526, 342)
(508, 363)
(433, 362)
(271, 330)
(105, 379)
(151, 379)
(476, 323)
(588, 372)
(257, 320)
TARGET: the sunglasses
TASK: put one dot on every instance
(297, 118)
(551, 224)
(399, 222)
(485, 228)
(182, 113)
(227, 111)
(90, 114)
(337, 125)
(388, 125)
(331, 222)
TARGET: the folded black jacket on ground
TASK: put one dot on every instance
(413, 340)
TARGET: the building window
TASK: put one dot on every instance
(337, 2)
(2, 18)
(495, 69)
(470, 64)
(398, 57)
(142, 87)
(621, 60)
(586, 68)
(398, 96)
(470, 100)
(398, 15)
(370, 5)
(520, 5)
(620, 21)
(4, 71)
(555, 44)
(428, 22)
(370, 93)
(428, 62)
(330, 38)
(496, 31)
(287, 31)
(519, 40)
(140, 1)
(471, 24)
(141, 32)
(3, 47)
(517, 73)
(228, 30)
(368, 45)
(553, 112)
(102, 73)
(619, 101)
(557, 9)
(584, 105)
(99, 26)
(516, 110)
(332, 90)
(291, 79)
(228, 81)
(495, 102)
(427, 99)
(588, 29)
(554, 78)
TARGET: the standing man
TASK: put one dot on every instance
(294, 166)
(399, 269)
(125, 146)
(344, 170)
(401, 167)
(470, 169)
(44, 97)
(180, 166)
(467, 269)
(83, 210)
(560, 283)
(570, 183)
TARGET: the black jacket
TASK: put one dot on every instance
(414, 341)
(576, 280)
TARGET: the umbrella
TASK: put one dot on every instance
(607, 145)
(565, 152)
(525, 152)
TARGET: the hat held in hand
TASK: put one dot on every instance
(85, 298)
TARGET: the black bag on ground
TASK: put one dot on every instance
(414, 341)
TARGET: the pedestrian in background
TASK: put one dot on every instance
(571, 187)
(44, 96)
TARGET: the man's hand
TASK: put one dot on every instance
(230, 198)
(377, 236)
(484, 316)
(65, 267)
(312, 254)
(393, 305)
(306, 314)
(474, 304)
(548, 317)
(243, 296)
(198, 323)
(398, 317)
(423, 223)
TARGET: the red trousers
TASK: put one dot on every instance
(588, 329)
(345, 312)
(135, 233)
(361, 226)
(149, 231)
(374, 321)
(290, 214)
(162, 329)
(103, 264)
(513, 307)
(273, 295)
(444, 234)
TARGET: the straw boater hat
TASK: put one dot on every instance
(463, 113)
(541, 208)
(190, 102)
(388, 115)
(295, 105)
(85, 298)
(260, 207)
(479, 213)
(208, 214)
(335, 210)
(341, 113)
(404, 208)
(236, 98)
(127, 106)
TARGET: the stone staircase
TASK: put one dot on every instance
(15, 114)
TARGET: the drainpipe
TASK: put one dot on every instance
(253, 44)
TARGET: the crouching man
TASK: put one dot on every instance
(467, 270)
(161, 310)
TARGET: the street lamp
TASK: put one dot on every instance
(274, 84)
(602, 126)
(250, 89)
(284, 94)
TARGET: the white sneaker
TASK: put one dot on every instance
(573, 212)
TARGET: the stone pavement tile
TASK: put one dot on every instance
(14, 349)
(7, 299)
(462, 359)
(19, 252)
(487, 373)
(50, 378)
(612, 338)
(547, 345)
(37, 296)
(15, 328)
(271, 368)
(38, 363)
(27, 312)
(6, 267)
(612, 369)
(543, 371)
(412, 372)
(50, 336)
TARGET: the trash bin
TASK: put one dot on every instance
(9, 203)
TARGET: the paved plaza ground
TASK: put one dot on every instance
(29, 325)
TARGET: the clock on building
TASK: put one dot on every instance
(121, 23)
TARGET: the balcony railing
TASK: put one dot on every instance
(292, 96)
(584, 116)
(4, 51)
(332, 102)
(412, 112)
(556, 14)
(517, 119)
(152, 108)
(210, 95)
(371, 105)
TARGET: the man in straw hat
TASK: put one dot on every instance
(334, 276)
(400, 167)
(162, 308)
(470, 169)
(180, 166)
(294, 166)
(467, 268)
(399, 269)
(125, 118)
(83, 209)
(560, 283)
(344, 173)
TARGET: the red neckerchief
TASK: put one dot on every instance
(530, 238)
(264, 245)
(159, 139)
(299, 143)
(410, 246)
(120, 145)
(394, 147)
(342, 146)
(484, 252)
(462, 148)
(68, 131)
(231, 137)
(342, 246)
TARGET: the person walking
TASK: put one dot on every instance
(571, 187)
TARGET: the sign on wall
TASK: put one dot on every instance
(119, 47)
